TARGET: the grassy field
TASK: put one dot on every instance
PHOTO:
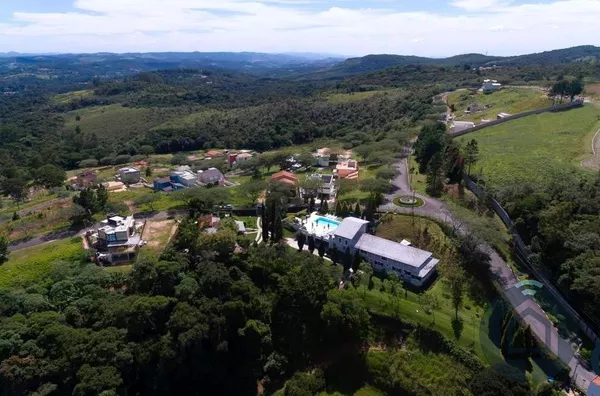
(115, 121)
(71, 96)
(29, 265)
(508, 100)
(535, 149)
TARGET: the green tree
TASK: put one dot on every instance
(346, 319)
(324, 207)
(16, 188)
(430, 303)
(365, 272)
(435, 178)
(148, 171)
(252, 190)
(457, 291)
(147, 199)
(49, 176)
(147, 150)
(4, 252)
(471, 154)
(453, 163)
(338, 208)
(101, 196)
(301, 239)
(357, 210)
(431, 140)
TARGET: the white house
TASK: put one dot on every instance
(327, 187)
(129, 175)
(490, 86)
(118, 240)
(413, 265)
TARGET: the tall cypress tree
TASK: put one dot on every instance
(357, 209)
(265, 224)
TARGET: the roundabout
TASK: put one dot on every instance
(408, 201)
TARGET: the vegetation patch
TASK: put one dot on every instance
(69, 97)
(408, 201)
(535, 149)
(30, 265)
(508, 100)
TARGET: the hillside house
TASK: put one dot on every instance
(288, 179)
(327, 188)
(86, 179)
(347, 169)
(490, 86)
(184, 177)
(413, 265)
(165, 184)
(130, 175)
(118, 240)
(214, 154)
(211, 176)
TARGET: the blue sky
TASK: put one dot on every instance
(349, 27)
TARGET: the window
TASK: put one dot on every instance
(384, 258)
(346, 242)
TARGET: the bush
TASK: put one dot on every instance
(122, 159)
(106, 161)
(138, 157)
(88, 163)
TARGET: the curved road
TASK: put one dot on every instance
(525, 306)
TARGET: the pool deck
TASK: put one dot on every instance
(320, 228)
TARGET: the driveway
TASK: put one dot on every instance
(524, 305)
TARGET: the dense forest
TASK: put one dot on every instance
(202, 320)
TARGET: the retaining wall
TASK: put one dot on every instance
(551, 109)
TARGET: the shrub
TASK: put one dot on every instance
(107, 161)
(88, 163)
(122, 159)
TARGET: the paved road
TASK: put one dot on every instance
(525, 306)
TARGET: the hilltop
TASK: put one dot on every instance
(372, 63)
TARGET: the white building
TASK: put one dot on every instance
(118, 240)
(130, 175)
(413, 265)
(327, 187)
(186, 178)
(490, 86)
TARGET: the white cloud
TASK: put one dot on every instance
(496, 26)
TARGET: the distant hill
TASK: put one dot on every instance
(110, 65)
(372, 63)
(583, 53)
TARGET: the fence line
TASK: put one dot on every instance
(523, 253)
(551, 109)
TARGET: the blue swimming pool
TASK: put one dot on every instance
(326, 221)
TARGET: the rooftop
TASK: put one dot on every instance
(350, 227)
(393, 250)
(129, 170)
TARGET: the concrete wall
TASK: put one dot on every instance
(551, 109)
(522, 254)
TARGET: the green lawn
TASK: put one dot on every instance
(535, 149)
(29, 265)
(508, 100)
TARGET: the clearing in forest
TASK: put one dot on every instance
(535, 149)
(486, 106)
